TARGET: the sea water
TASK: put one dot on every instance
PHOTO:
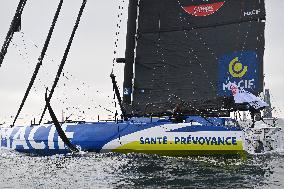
(111, 170)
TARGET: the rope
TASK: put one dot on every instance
(57, 125)
(14, 27)
(63, 61)
(40, 59)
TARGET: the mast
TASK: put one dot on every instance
(129, 52)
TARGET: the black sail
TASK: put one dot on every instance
(189, 51)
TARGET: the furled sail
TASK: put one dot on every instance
(188, 52)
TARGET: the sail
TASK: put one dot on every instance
(242, 96)
(188, 52)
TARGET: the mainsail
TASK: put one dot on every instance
(188, 52)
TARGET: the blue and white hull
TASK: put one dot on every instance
(196, 137)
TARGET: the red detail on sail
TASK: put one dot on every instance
(204, 10)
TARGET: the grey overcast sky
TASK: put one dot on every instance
(85, 91)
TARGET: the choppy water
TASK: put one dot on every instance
(111, 170)
(139, 171)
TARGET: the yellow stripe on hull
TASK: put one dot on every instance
(173, 149)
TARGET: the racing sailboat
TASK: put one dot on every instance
(182, 59)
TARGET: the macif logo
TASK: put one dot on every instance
(240, 68)
(251, 13)
(236, 68)
(204, 9)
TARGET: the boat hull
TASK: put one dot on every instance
(163, 138)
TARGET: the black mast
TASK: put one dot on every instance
(129, 52)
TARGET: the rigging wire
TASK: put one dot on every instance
(63, 61)
(66, 76)
(117, 33)
(40, 59)
(112, 76)
(14, 27)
